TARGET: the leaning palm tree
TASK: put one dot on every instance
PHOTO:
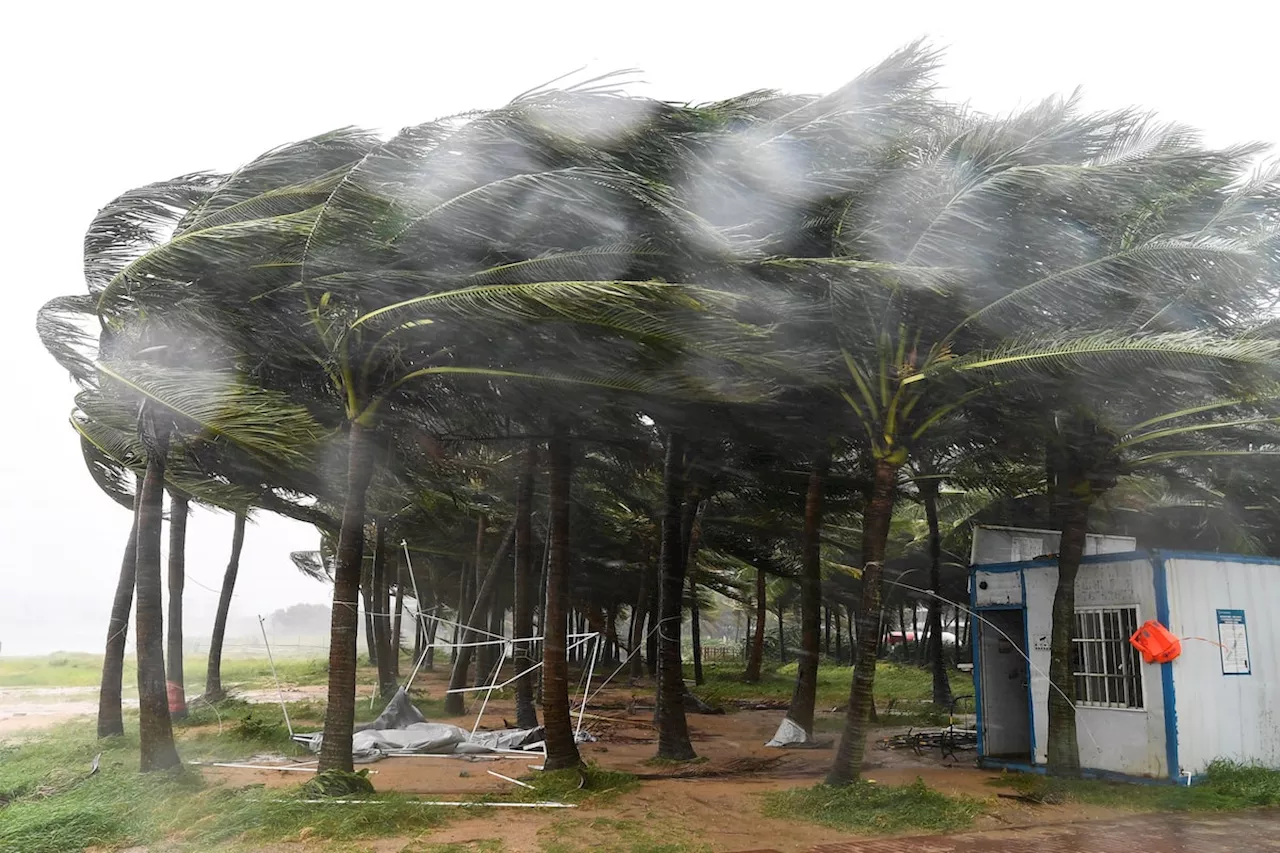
(176, 406)
(982, 230)
(384, 279)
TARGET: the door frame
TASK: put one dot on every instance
(977, 680)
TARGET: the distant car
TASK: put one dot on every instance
(896, 637)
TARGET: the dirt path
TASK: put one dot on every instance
(716, 801)
(1254, 832)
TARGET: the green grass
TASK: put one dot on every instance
(54, 806)
(78, 669)
(606, 835)
(591, 784)
(871, 809)
(1225, 786)
(894, 682)
(60, 669)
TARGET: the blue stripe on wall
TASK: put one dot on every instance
(1161, 583)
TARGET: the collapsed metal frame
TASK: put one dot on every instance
(423, 619)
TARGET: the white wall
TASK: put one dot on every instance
(993, 589)
(1012, 544)
(1225, 716)
(1114, 739)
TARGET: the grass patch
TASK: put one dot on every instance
(1225, 786)
(606, 835)
(60, 669)
(872, 809)
(54, 806)
(590, 784)
(894, 681)
(81, 669)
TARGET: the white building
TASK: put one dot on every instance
(1217, 700)
(993, 544)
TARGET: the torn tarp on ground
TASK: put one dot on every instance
(401, 728)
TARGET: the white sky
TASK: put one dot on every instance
(112, 95)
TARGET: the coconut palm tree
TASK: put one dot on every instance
(213, 690)
(946, 225)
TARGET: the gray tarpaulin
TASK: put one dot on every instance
(401, 728)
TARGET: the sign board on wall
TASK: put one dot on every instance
(1233, 642)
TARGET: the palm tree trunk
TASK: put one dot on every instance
(835, 615)
(339, 718)
(213, 691)
(875, 536)
(1063, 746)
(916, 653)
(851, 621)
(755, 660)
(465, 581)
(782, 637)
(941, 684)
(480, 655)
(638, 615)
(695, 610)
(179, 508)
(654, 616)
(157, 750)
(611, 634)
(804, 696)
(673, 727)
(110, 716)
(381, 629)
(562, 751)
(475, 625)
(522, 607)
(429, 636)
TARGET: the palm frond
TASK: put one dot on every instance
(62, 324)
(1110, 350)
(220, 404)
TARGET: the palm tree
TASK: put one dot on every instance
(1174, 425)
(944, 306)
(522, 607)
(673, 732)
(213, 690)
(179, 506)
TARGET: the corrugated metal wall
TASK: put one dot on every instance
(1225, 716)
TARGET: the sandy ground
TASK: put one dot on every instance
(26, 710)
(717, 801)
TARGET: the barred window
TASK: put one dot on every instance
(1107, 668)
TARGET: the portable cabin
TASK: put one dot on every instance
(1219, 699)
(995, 544)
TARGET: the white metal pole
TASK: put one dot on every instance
(496, 670)
(586, 691)
(262, 624)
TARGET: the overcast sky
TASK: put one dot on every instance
(103, 98)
